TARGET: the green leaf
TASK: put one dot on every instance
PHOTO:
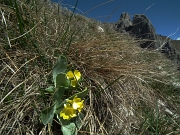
(79, 119)
(59, 107)
(60, 67)
(47, 115)
(50, 89)
(62, 121)
(58, 95)
(69, 129)
(80, 94)
(61, 80)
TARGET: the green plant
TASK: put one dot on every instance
(66, 105)
(157, 123)
(35, 32)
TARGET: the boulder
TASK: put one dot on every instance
(167, 47)
(124, 23)
(100, 29)
(143, 28)
(170, 49)
(140, 26)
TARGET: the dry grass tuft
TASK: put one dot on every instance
(118, 73)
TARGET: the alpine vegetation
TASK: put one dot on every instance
(64, 73)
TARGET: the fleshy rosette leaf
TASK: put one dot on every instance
(60, 67)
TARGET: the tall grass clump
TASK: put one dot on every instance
(124, 89)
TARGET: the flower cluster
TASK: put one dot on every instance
(74, 77)
(71, 108)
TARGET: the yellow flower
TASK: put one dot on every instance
(68, 112)
(77, 74)
(74, 77)
(69, 75)
(77, 103)
(71, 108)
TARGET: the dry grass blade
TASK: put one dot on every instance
(123, 80)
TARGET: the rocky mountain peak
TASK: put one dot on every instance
(141, 27)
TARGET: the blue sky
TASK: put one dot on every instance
(163, 14)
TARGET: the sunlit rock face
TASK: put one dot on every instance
(141, 27)
(124, 23)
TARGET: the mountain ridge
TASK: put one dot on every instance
(141, 27)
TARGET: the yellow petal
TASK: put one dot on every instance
(77, 103)
(76, 99)
(73, 83)
(69, 75)
(68, 112)
(77, 74)
(70, 101)
(65, 117)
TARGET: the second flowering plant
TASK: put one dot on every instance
(67, 97)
